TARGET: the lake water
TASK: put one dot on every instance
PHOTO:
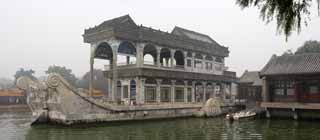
(16, 126)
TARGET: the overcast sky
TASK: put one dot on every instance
(37, 33)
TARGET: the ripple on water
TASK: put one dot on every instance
(16, 126)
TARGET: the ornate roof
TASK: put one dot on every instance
(250, 77)
(125, 28)
(192, 35)
(292, 64)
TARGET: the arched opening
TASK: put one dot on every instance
(198, 61)
(104, 54)
(149, 55)
(102, 58)
(165, 56)
(179, 59)
(133, 93)
(150, 90)
(199, 92)
(126, 53)
(119, 90)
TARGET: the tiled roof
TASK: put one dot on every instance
(257, 82)
(124, 27)
(192, 35)
(249, 77)
(292, 64)
(11, 92)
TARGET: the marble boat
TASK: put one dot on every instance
(56, 101)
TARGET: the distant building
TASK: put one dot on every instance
(12, 97)
(291, 83)
(250, 86)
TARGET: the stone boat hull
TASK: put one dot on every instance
(56, 101)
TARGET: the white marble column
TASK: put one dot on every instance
(204, 84)
(193, 91)
(192, 61)
(92, 53)
(172, 51)
(109, 88)
(204, 62)
(129, 92)
(173, 83)
(158, 90)
(158, 56)
(185, 91)
(139, 55)
(185, 59)
(138, 90)
(142, 94)
(114, 72)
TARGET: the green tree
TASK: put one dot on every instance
(288, 52)
(64, 72)
(311, 46)
(22, 72)
(99, 83)
(289, 14)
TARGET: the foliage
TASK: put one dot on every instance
(289, 14)
(22, 72)
(6, 83)
(64, 72)
(311, 46)
(288, 52)
(99, 83)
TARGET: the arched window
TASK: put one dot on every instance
(149, 55)
(179, 57)
(165, 56)
(104, 55)
(126, 53)
(133, 90)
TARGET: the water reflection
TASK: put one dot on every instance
(16, 126)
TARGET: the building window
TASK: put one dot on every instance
(11, 100)
(179, 94)
(290, 89)
(189, 62)
(208, 66)
(279, 92)
(150, 94)
(125, 92)
(198, 64)
(165, 94)
(189, 95)
(313, 89)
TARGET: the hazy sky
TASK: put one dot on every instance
(37, 33)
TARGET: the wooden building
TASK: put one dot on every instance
(12, 97)
(291, 85)
(249, 87)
